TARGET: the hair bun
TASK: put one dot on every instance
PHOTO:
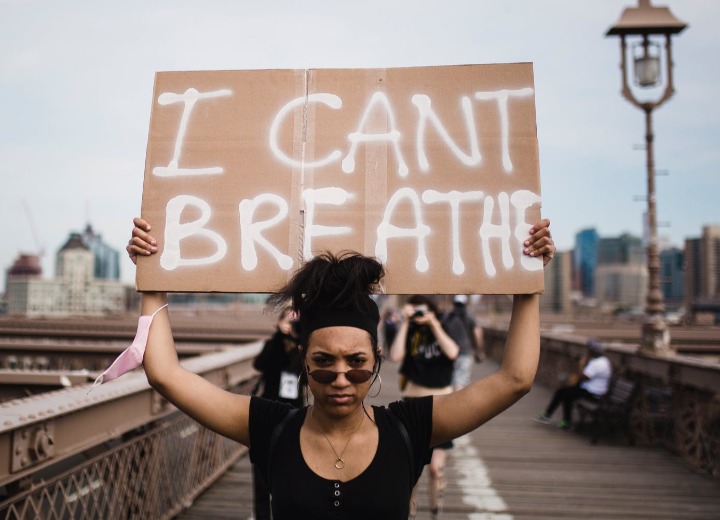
(329, 280)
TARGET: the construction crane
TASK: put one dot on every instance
(40, 248)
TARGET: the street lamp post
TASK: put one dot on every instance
(640, 26)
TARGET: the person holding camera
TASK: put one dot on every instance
(280, 362)
(427, 354)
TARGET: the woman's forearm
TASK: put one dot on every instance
(152, 301)
(446, 343)
(213, 407)
(160, 356)
(462, 411)
(397, 349)
(522, 348)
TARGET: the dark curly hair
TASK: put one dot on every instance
(333, 289)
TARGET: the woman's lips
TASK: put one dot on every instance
(340, 398)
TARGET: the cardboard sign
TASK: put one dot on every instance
(433, 170)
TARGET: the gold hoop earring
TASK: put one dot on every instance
(379, 378)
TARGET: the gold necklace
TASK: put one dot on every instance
(339, 462)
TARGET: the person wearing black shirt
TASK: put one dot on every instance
(427, 353)
(339, 458)
(280, 363)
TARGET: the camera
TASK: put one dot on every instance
(419, 313)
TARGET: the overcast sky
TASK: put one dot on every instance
(76, 82)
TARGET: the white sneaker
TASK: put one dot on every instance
(542, 418)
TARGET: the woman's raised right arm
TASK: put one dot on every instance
(213, 407)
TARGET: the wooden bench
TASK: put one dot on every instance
(610, 410)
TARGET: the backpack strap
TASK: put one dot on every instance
(402, 430)
(277, 431)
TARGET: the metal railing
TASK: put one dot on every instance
(152, 476)
(677, 405)
(158, 461)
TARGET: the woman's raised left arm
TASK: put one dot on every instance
(461, 412)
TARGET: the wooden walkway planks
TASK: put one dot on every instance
(514, 468)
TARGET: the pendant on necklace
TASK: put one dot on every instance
(339, 463)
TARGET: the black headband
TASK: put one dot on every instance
(321, 316)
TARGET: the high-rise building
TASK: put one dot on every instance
(621, 285)
(74, 265)
(106, 259)
(693, 271)
(621, 275)
(558, 277)
(625, 249)
(75, 289)
(585, 261)
(25, 265)
(702, 269)
(672, 276)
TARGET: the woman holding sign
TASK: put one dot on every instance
(339, 458)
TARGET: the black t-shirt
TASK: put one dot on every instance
(425, 363)
(381, 491)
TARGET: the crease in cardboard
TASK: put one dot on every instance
(296, 237)
(303, 157)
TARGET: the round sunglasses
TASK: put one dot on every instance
(325, 377)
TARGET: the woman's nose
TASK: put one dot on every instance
(341, 379)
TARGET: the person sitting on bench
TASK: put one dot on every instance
(591, 382)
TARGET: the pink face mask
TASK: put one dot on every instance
(131, 357)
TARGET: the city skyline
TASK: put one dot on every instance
(76, 87)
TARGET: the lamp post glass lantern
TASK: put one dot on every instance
(647, 64)
(644, 25)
